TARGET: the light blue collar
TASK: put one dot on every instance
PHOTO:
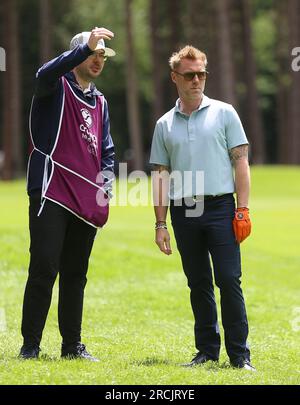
(205, 103)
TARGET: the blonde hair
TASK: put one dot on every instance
(188, 52)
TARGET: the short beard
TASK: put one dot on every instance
(85, 75)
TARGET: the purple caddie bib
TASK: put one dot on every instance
(76, 160)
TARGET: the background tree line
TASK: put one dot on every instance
(248, 44)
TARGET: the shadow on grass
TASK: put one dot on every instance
(209, 366)
(46, 357)
(42, 358)
(225, 366)
(153, 361)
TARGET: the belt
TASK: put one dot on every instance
(197, 198)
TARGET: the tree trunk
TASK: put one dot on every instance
(195, 26)
(225, 53)
(253, 120)
(132, 94)
(282, 89)
(200, 30)
(174, 42)
(12, 137)
(294, 90)
(156, 57)
(46, 52)
(173, 10)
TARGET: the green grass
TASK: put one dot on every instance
(137, 316)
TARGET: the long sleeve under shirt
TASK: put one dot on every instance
(46, 110)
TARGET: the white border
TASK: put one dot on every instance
(78, 98)
(30, 133)
(60, 119)
(76, 215)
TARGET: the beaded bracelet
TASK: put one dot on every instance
(161, 226)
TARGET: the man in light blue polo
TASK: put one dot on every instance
(202, 135)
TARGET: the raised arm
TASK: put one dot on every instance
(49, 74)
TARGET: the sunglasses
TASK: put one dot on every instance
(189, 76)
(101, 54)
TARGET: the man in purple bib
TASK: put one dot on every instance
(69, 171)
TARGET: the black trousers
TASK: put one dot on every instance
(59, 243)
(211, 234)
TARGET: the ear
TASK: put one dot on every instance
(173, 77)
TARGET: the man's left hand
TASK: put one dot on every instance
(241, 224)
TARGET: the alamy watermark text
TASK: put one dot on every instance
(2, 60)
(296, 60)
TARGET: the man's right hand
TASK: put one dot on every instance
(99, 33)
(162, 239)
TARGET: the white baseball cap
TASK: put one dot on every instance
(83, 37)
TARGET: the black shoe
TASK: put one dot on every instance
(29, 352)
(199, 359)
(244, 364)
(76, 351)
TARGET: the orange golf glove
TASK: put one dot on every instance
(241, 224)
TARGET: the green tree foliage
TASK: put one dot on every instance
(83, 15)
(180, 22)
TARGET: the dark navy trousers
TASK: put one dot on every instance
(60, 243)
(199, 239)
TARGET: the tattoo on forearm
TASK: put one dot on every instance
(161, 168)
(238, 153)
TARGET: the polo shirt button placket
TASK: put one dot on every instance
(191, 127)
